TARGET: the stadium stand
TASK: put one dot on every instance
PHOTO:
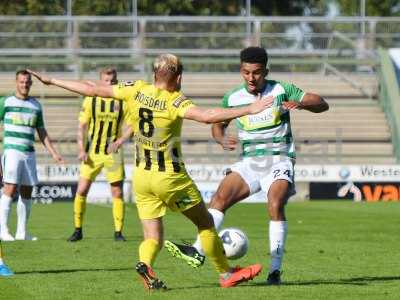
(354, 130)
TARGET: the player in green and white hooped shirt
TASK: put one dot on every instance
(21, 115)
(267, 153)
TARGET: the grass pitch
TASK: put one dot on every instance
(335, 250)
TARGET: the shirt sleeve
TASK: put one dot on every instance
(126, 91)
(293, 92)
(2, 108)
(180, 106)
(224, 103)
(86, 111)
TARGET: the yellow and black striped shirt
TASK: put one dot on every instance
(105, 117)
(156, 117)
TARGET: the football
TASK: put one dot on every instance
(235, 242)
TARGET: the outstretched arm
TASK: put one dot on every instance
(82, 87)
(216, 115)
(45, 139)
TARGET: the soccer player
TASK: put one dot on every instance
(160, 179)
(268, 155)
(21, 115)
(100, 131)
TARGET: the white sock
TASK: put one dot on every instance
(1, 262)
(5, 207)
(23, 212)
(277, 237)
(218, 217)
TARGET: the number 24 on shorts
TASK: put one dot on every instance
(277, 172)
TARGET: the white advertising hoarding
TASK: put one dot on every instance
(215, 173)
(207, 177)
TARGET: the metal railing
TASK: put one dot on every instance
(390, 97)
(205, 36)
(79, 43)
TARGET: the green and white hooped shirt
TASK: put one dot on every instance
(20, 118)
(268, 132)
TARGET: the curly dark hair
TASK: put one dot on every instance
(254, 55)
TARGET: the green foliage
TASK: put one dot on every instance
(101, 7)
(32, 7)
(195, 7)
(378, 8)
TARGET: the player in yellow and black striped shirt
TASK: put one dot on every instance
(100, 132)
(160, 178)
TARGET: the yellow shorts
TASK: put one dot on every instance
(155, 191)
(113, 164)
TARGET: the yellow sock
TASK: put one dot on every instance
(148, 251)
(118, 213)
(79, 210)
(212, 247)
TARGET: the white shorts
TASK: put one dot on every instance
(19, 168)
(259, 173)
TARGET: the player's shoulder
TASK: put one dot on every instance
(283, 84)
(280, 86)
(4, 98)
(9, 97)
(35, 102)
(176, 99)
(131, 83)
(234, 95)
(237, 90)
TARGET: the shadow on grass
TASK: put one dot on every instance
(73, 271)
(358, 281)
(351, 281)
(129, 238)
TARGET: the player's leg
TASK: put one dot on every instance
(152, 240)
(28, 179)
(115, 175)
(4, 270)
(88, 172)
(80, 208)
(279, 187)
(153, 234)
(24, 207)
(236, 186)
(150, 210)
(231, 190)
(214, 250)
(118, 209)
(9, 190)
(11, 162)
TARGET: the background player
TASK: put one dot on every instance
(160, 178)
(21, 115)
(267, 150)
(100, 132)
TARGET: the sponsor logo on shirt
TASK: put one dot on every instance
(179, 101)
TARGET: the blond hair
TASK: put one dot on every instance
(108, 71)
(167, 66)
